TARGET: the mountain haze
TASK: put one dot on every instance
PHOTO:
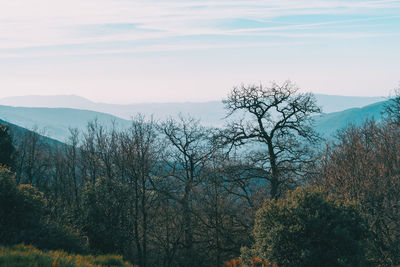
(17, 132)
(57, 121)
(328, 124)
(211, 113)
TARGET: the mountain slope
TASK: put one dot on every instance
(50, 101)
(56, 121)
(329, 124)
(17, 132)
(335, 103)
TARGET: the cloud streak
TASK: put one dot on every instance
(145, 49)
(26, 24)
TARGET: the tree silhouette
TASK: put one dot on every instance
(6, 146)
(393, 107)
(278, 120)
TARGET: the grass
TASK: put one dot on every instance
(29, 256)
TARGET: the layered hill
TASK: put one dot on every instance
(328, 124)
(56, 122)
(18, 132)
(211, 113)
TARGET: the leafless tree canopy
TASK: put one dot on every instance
(279, 120)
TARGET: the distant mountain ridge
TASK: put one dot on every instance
(211, 113)
(328, 124)
(17, 132)
(49, 101)
(57, 121)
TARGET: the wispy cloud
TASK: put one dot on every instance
(144, 49)
(26, 24)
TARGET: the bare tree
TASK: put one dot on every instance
(139, 152)
(90, 161)
(166, 232)
(72, 159)
(224, 214)
(190, 148)
(32, 164)
(278, 119)
(393, 107)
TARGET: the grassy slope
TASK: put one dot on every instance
(29, 256)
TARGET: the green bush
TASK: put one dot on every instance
(309, 228)
(23, 218)
(20, 209)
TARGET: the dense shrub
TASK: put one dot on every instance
(308, 228)
(23, 218)
(20, 210)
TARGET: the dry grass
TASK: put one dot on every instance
(29, 256)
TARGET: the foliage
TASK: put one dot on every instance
(23, 217)
(364, 166)
(7, 149)
(309, 228)
(233, 263)
(21, 209)
(254, 262)
(29, 256)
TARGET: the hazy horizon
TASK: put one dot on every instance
(158, 102)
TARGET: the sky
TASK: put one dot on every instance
(131, 51)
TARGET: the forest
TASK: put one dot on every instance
(265, 190)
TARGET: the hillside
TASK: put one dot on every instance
(329, 124)
(17, 131)
(56, 121)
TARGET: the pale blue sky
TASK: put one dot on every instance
(127, 51)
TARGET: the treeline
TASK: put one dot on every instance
(176, 193)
